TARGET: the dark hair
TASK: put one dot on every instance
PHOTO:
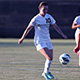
(42, 4)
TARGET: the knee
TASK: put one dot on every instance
(50, 58)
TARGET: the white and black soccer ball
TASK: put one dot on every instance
(64, 58)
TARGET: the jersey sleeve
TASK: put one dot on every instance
(76, 20)
(33, 22)
(53, 21)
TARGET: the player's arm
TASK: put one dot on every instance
(56, 27)
(25, 34)
(74, 26)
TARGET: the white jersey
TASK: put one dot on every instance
(41, 25)
(77, 22)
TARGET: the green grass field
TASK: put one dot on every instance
(23, 62)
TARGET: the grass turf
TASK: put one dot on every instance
(23, 62)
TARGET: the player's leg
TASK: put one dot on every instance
(79, 41)
(46, 50)
(77, 48)
(49, 57)
(78, 44)
(47, 53)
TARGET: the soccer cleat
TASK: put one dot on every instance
(48, 76)
(45, 76)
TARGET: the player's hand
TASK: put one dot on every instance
(20, 41)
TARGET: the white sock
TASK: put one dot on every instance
(47, 65)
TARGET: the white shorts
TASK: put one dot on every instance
(44, 45)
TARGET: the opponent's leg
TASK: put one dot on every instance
(77, 48)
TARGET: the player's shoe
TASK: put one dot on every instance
(48, 76)
(45, 76)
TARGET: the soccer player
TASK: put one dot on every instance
(76, 25)
(41, 23)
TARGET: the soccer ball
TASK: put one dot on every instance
(64, 58)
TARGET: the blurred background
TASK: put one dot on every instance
(15, 15)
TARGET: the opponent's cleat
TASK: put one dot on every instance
(45, 76)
